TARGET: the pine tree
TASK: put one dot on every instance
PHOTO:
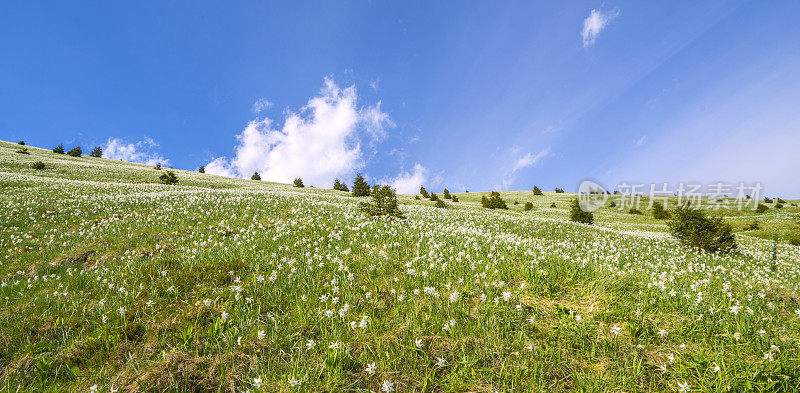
(298, 182)
(578, 215)
(446, 194)
(537, 191)
(59, 149)
(494, 201)
(384, 202)
(169, 178)
(339, 186)
(96, 152)
(423, 192)
(75, 152)
(360, 186)
(202, 169)
(255, 176)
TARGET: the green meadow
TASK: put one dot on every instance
(111, 281)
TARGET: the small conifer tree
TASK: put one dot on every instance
(537, 191)
(169, 178)
(75, 152)
(423, 192)
(202, 169)
(578, 215)
(298, 182)
(528, 206)
(384, 203)
(255, 176)
(96, 152)
(59, 149)
(360, 186)
(446, 194)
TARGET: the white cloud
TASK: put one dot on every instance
(523, 162)
(141, 151)
(594, 24)
(409, 182)
(260, 105)
(641, 140)
(320, 142)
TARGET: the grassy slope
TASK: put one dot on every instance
(216, 284)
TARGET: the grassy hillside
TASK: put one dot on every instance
(110, 280)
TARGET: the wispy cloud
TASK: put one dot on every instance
(528, 160)
(320, 142)
(140, 152)
(641, 140)
(260, 105)
(594, 24)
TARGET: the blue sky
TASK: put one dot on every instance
(479, 96)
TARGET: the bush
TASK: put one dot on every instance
(157, 167)
(779, 205)
(59, 149)
(795, 241)
(455, 198)
(360, 186)
(446, 194)
(423, 192)
(779, 200)
(202, 169)
(494, 201)
(96, 152)
(633, 210)
(384, 203)
(761, 208)
(577, 214)
(537, 191)
(298, 182)
(528, 206)
(659, 213)
(553, 205)
(75, 152)
(21, 143)
(559, 190)
(339, 186)
(37, 165)
(767, 200)
(23, 151)
(516, 203)
(754, 225)
(692, 228)
(612, 204)
(440, 204)
(169, 178)
(433, 197)
(416, 197)
(255, 176)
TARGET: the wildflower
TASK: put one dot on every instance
(370, 369)
(93, 388)
(737, 336)
(662, 333)
(453, 296)
(261, 335)
(149, 303)
(257, 382)
(715, 369)
(122, 310)
(418, 343)
(387, 386)
(615, 330)
(293, 382)
(440, 362)
(310, 344)
(207, 302)
(683, 387)
(224, 315)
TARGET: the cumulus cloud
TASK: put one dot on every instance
(320, 142)
(409, 182)
(140, 152)
(594, 24)
(523, 162)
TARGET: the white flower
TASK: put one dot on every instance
(310, 344)
(387, 386)
(261, 335)
(615, 330)
(293, 382)
(370, 368)
(418, 343)
(257, 382)
(440, 362)
(122, 310)
(662, 333)
(207, 302)
(684, 387)
(93, 388)
(715, 369)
